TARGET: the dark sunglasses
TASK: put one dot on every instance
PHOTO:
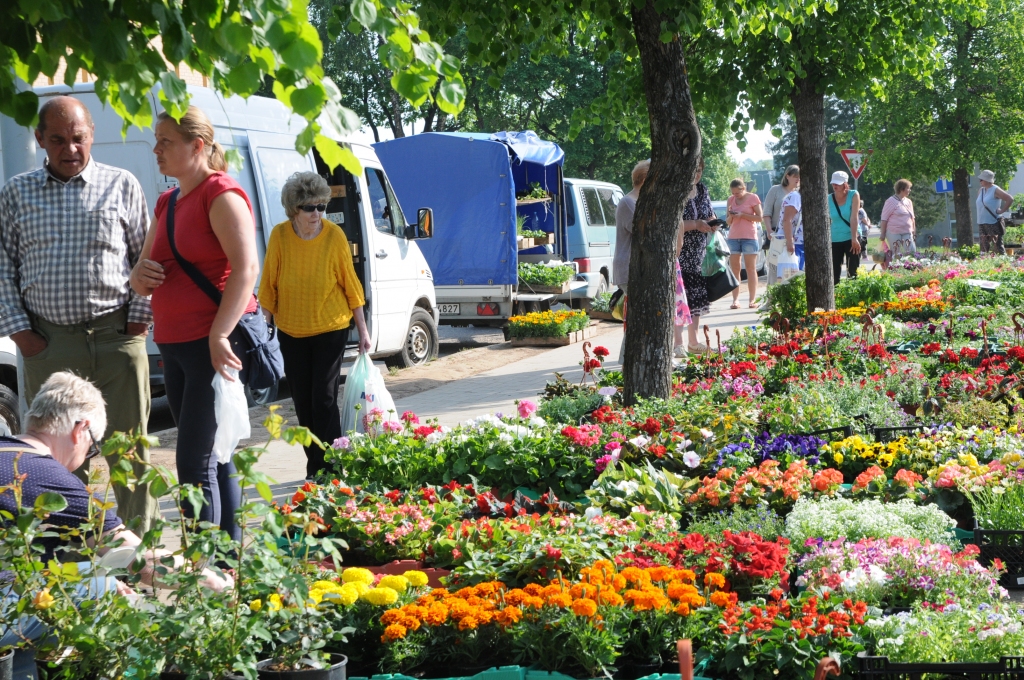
(94, 447)
(320, 207)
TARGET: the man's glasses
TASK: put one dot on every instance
(319, 207)
(94, 447)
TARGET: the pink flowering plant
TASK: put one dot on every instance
(898, 572)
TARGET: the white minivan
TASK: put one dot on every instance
(590, 230)
(400, 306)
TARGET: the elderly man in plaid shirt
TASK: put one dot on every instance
(70, 234)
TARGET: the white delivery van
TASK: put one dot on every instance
(590, 225)
(400, 306)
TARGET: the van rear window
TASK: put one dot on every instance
(592, 205)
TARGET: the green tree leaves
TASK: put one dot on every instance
(131, 46)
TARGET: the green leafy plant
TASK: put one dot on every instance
(570, 409)
(536, 191)
(788, 300)
(602, 303)
(544, 275)
(999, 507)
(969, 252)
(760, 519)
(866, 289)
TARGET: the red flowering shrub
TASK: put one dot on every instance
(584, 435)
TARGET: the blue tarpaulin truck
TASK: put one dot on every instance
(472, 181)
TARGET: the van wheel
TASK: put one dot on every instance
(420, 342)
(603, 286)
(9, 423)
(261, 397)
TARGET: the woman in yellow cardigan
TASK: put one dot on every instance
(310, 287)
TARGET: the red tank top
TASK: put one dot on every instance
(181, 311)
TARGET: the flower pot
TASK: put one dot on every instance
(178, 675)
(67, 668)
(7, 665)
(910, 409)
(337, 671)
(633, 671)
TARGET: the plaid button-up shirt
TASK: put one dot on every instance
(67, 248)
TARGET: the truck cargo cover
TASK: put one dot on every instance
(470, 181)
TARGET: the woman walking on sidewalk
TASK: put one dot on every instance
(744, 211)
(310, 287)
(210, 220)
(695, 241)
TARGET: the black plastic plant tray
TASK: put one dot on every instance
(880, 668)
(1007, 546)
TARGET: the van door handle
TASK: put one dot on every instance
(381, 254)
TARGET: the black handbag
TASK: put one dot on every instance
(721, 284)
(253, 341)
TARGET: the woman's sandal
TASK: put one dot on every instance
(735, 305)
(697, 349)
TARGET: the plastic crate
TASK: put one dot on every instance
(880, 668)
(1007, 546)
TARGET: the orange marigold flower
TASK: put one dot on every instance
(509, 616)
(678, 590)
(466, 593)
(410, 622)
(552, 589)
(618, 582)
(660, 574)
(682, 609)
(516, 596)
(635, 575)
(468, 623)
(610, 597)
(720, 599)
(395, 631)
(560, 599)
(686, 575)
(535, 602)
(437, 614)
(533, 589)
(458, 609)
(714, 580)
(584, 607)
(583, 590)
(392, 616)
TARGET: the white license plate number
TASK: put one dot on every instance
(448, 309)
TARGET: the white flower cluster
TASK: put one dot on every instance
(831, 519)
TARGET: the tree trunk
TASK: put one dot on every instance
(675, 148)
(809, 112)
(962, 208)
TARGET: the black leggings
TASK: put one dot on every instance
(841, 250)
(188, 378)
(313, 367)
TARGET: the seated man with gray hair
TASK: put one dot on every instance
(63, 429)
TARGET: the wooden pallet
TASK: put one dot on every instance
(572, 338)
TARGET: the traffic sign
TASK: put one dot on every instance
(944, 186)
(856, 161)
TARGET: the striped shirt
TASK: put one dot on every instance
(68, 248)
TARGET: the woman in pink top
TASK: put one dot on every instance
(898, 221)
(744, 210)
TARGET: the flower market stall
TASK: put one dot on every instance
(845, 484)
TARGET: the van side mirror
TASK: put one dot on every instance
(424, 227)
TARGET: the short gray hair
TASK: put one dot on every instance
(304, 188)
(63, 400)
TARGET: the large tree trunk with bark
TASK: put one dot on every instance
(962, 207)
(675, 148)
(809, 111)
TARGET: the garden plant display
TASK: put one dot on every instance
(550, 324)
(763, 511)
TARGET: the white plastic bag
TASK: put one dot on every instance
(365, 392)
(232, 412)
(788, 266)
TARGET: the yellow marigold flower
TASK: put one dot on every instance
(327, 586)
(256, 605)
(316, 595)
(714, 579)
(380, 596)
(584, 607)
(274, 602)
(399, 584)
(347, 595)
(417, 579)
(43, 599)
(357, 575)
(395, 631)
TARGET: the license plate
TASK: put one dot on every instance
(448, 309)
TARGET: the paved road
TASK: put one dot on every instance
(451, 340)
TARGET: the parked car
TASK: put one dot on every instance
(401, 310)
(590, 225)
(721, 213)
